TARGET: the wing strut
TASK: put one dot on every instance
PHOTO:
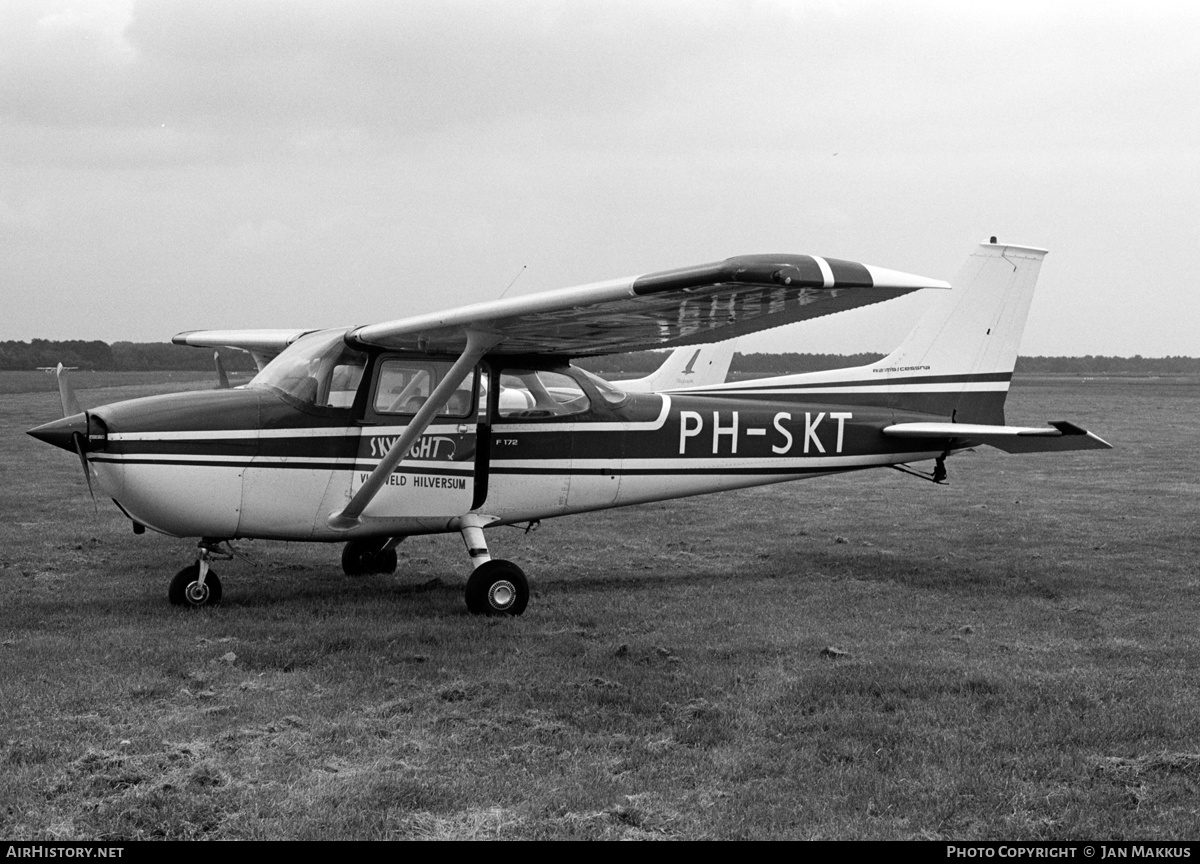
(350, 516)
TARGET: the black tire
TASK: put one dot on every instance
(385, 561)
(361, 557)
(355, 558)
(185, 592)
(497, 588)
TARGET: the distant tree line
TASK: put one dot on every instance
(1100, 365)
(119, 356)
(154, 356)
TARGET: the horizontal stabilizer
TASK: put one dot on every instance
(1059, 435)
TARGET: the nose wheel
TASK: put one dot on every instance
(188, 589)
(198, 585)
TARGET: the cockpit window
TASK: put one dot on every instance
(319, 369)
(405, 385)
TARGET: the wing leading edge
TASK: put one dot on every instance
(687, 306)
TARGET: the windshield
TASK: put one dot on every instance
(319, 369)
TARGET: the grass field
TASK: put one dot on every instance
(869, 656)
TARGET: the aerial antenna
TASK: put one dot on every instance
(513, 282)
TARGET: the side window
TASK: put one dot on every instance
(405, 385)
(344, 382)
(528, 394)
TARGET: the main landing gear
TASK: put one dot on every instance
(361, 557)
(495, 587)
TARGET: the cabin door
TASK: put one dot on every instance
(436, 480)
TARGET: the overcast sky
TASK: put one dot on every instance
(167, 166)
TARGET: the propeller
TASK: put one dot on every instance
(80, 447)
(75, 431)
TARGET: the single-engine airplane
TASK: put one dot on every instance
(459, 421)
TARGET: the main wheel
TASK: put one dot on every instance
(186, 589)
(385, 561)
(497, 588)
(361, 557)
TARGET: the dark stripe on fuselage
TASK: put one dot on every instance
(751, 388)
(889, 394)
(963, 406)
(760, 471)
(219, 463)
(290, 464)
(312, 446)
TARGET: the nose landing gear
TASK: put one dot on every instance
(198, 585)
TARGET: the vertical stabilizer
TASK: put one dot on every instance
(965, 347)
(976, 327)
(955, 365)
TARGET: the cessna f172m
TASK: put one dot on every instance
(463, 420)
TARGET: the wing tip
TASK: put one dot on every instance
(1068, 429)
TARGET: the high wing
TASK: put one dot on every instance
(262, 345)
(687, 306)
(1060, 435)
